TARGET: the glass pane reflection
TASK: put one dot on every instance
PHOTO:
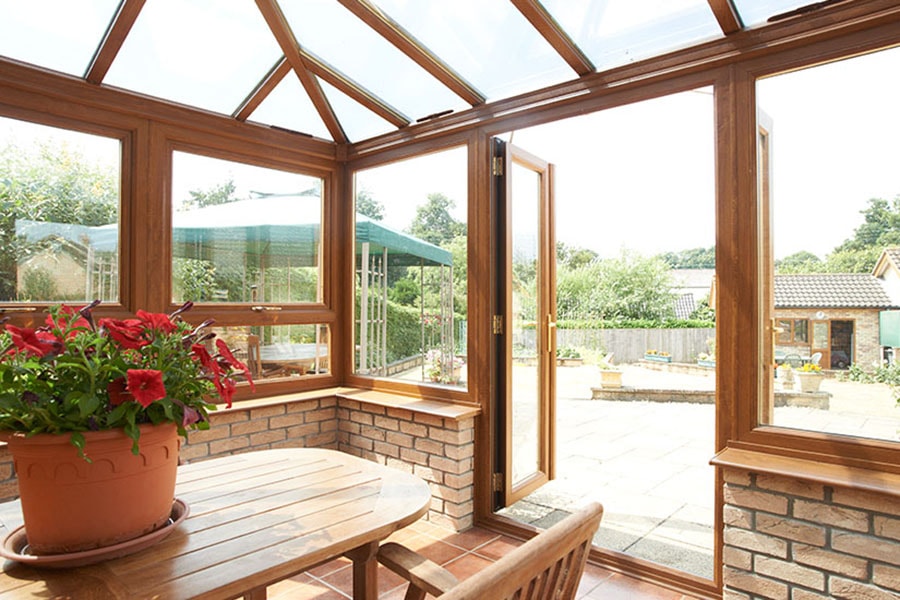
(242, 233)
(279, 351)
(56, 34)
(616, 32)
(59, 228)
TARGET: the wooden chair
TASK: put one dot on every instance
(547, 567)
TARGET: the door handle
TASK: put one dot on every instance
(551, 326)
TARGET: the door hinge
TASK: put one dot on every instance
(497, 166)
(497, 325)
(497, 482)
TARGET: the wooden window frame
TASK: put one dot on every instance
(748, 303)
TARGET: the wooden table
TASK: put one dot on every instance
(255, 518)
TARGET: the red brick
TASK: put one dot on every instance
(229, 445)
(737, 558)
(866, 546)
(301, 431)
(387, 423)
(429, 446)
(867, 500)
(191, 452)
(362, 418)
(735, 477)
(844, 589)
(267, 411)
(886, 577)
(301, 407)
(386, 449)
(790, 529)
(428, 420)
(792, 487)
(761, 586)
(758, 500)
(225, 418)
(414, 429)
(324, 414)
(737, 517)
(400, 439)
(834, 562)
(459, 452)
(371, 432)
(267, 437)
(789, 572)
(756, 542)
(414, 456)
(835, 516)
(887, 527)
(798, 594)
(249, 427)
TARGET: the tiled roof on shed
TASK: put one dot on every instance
(830, 290)
(893, 254)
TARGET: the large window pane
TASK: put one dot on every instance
(242, 233)
(59, 224)
(829, 155)
(411, 269)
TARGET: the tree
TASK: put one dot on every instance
(630, 286)
(695, 258)
(433, 222)
(573, 257)
(368, 206)
(800, 262)
(222, 193)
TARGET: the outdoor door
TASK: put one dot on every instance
(524, 323)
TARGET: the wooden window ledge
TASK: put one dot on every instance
(819, 472)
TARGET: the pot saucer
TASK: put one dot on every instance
(15, 545)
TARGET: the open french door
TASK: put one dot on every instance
(524, 323)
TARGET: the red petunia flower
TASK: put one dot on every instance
(157, 321)
(33, 342)
(222, 347)
(127, 333)
(118, 392)
(146, 385)
(202, 354)
(65, 321)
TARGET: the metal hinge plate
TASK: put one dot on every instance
(497, 166)
(497, 325)
(497, 482)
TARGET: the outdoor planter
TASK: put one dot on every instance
(809, 382)
(658, 358)
(706, 363)
(610, 378)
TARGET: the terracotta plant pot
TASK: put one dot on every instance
(71, 505)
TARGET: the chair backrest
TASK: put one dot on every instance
(547, 567)
(794, 360)
(815, 358)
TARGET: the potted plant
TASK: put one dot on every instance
(810, 377)
(88, 405)
(657, 356)
(568, 357)
(441, 367)
(610, 375)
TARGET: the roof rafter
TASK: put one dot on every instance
(328, 73)
(404, 41)
(113, 38)
(547, 26)
(271, 12)
(727, 16)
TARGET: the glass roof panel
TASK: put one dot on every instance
(55, 34)
(756, 12)
(359, 122)
(203, 53)
(490, 44)
(289, 107)
(613, 33)
(331, 32)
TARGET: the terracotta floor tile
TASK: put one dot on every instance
(498, 548)
(622, 587)
(467, 565)
(302, 587)
(329, 567)
(342, 579)
(592, 577)
(434, 550)
(471, 539)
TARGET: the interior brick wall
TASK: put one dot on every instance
(440, 450)
(789, 539)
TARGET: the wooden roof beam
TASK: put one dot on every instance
(547, 26)
(271, 12)
(328, 73)
(404, 41)
(727, 16)
(112, 41)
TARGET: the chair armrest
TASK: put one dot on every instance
(415, 568)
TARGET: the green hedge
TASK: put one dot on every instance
(636, 324)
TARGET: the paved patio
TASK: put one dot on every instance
(648, 462)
